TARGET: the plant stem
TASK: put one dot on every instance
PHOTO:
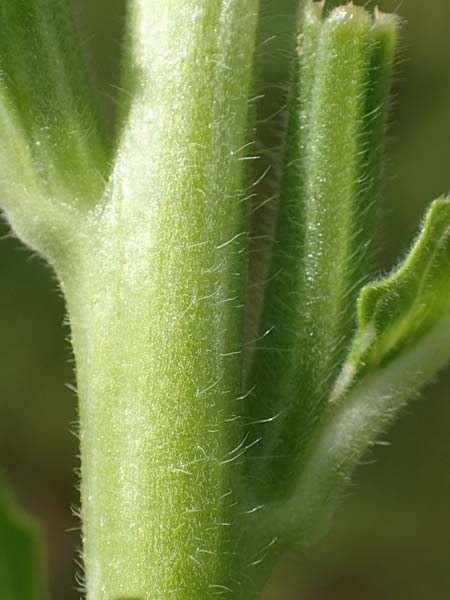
(315, 271)
(156, 308)
(53, 155)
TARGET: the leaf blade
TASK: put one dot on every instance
(403, 341)
(396, 311)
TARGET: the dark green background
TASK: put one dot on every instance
(391, 538)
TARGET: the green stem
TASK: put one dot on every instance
(156, 307)
(272, 359)
(331, 172)
(151, 251)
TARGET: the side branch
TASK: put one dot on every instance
(52, 151)
(330, 178)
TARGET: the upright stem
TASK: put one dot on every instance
(156, 308)
(322, 245)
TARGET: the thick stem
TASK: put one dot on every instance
(155, 398)
(156, 311)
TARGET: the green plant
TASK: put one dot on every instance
(205, 455)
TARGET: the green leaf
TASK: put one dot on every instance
(403, 341)
(21, 575)
(397, 313)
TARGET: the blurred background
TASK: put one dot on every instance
(391, 536)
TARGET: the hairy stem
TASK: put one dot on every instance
(156, 309)
(330, 177)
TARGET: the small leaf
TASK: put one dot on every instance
(397, 312)
(21, 575)
(403, 341)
